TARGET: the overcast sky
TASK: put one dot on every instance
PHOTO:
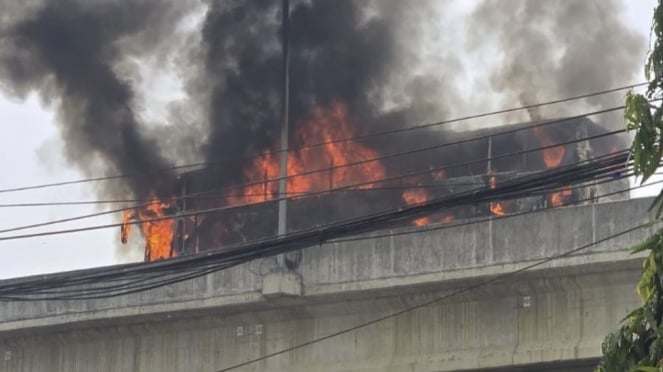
(30, 154)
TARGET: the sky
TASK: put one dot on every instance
(31, 154)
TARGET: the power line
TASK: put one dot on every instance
(438, 299)
(181, 277)
(442, 145)
(509, 215)
(208, 269)
(97, 214)
(349, 139)
(218, 209)
(441, 184)
(473, 192)
(231, 256)
(224, 196)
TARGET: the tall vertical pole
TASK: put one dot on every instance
(283, 166)
(489, 165)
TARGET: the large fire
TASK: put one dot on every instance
(560, 198)
(328, 164)
(552, 158)
(502, 207)
(553, 155)
(496, 208)
(416, 195)
(322, 160)
(158, 234)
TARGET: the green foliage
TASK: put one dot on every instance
(638, 344)
(654, 65)
(647, 147)
(641, 115)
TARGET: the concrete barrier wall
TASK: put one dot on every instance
(565, 319)
(502, 241)
(383, 262)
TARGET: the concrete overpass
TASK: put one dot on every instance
(551, 318)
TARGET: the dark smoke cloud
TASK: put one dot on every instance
(355, 52)
(79, 56)
(74, 54)
(557, 48)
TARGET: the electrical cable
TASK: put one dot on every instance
(51, 279)
(264, 182)
(314, 193)
(124, 272)
(457, 292)
(206, 270)
(222, 197)
(235, 256)
(496, 218)
(354, 138)
(157, 263)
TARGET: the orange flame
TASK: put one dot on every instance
(158, 234)
(559, 198)
(552, 156)
(498, 208)
(314, 168)
(125, 229)
(416, 196)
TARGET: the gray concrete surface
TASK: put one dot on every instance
(556, 313)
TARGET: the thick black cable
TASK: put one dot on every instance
(157, 263)
(354, 138)
(236, 256)
(172, 280)
(134, 288)
(263, 182)
(125, 271)
(495, 218)
(138, 284)
(222, 197)
(438, 299)
(236, 206)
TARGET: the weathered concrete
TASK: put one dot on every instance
(557, 312)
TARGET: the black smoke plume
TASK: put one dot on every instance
(71, 53)
(341, 51)
(78, 54)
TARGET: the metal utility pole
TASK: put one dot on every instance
(283, 166)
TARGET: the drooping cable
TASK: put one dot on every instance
(310, 194)
(439, 299)
(354, 138)
(244, 253)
